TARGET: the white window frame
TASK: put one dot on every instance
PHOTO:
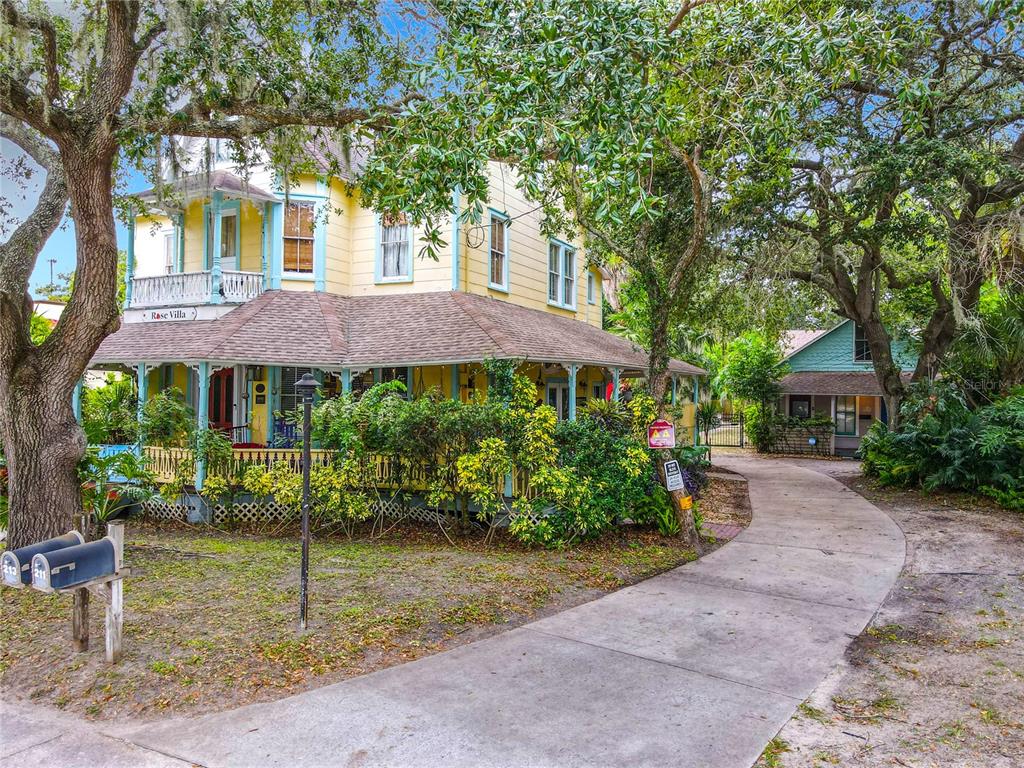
(170, 243)
(379, 276)
(565, 276)
(491, 250)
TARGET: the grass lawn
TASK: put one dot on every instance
(211, 618)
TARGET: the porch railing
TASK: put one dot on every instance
(379, 471)
(186, 288)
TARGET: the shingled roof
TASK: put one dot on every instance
(832, 383)
(329, 331)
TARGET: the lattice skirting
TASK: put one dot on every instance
(260, 512)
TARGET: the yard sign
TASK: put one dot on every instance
(661, 434)
(673, 477)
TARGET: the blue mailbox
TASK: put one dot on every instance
(16, 563)
(73, 566)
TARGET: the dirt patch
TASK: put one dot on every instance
(210, 618)
(937, 679)
(726, 501)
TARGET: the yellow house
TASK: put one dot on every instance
(236, 288)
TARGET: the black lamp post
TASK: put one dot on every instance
(306, 386)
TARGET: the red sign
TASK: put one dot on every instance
(661, 434)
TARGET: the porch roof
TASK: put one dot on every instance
(328, 331)
(200, 185)
(832, 383)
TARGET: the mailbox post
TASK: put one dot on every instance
(307, 385)
(71, 564)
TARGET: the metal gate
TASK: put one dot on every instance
(729, 431)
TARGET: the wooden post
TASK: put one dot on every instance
(115, 602)
(80, 621)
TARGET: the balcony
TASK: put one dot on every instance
(194, 288)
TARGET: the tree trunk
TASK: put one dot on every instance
(41, 440)
(43, 445)
(657, 387)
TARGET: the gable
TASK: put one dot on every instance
(833, 351)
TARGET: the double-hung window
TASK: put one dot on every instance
(861, 348)
(498, 260)
(170, 240)
(846, 415)
(561, 275)
(298, 237)
(395, 248)
(291, 398)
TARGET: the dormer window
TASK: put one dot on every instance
(395, 248)
(861, 348)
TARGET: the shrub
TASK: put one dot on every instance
(757, 420)
(167, 420)
(943, 443)
(109, 412)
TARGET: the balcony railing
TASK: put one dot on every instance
(186, 288)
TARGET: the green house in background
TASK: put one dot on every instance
(831, 375)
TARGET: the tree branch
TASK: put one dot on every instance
(684, 11)
(31, 22)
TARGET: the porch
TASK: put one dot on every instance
(191, 288)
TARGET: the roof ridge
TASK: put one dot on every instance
(488, 328)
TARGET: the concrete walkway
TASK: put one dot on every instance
(697, 667)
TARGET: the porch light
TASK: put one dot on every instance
(306, 386)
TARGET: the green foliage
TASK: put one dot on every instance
(214, 448)
(694, 462)
(942, 443)
(112, 483)
(987, 359)
(167, 420)
(39, 329)
(110, 412)
(752, 368)
(757, 421)
(708, 417)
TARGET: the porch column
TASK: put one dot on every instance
(573, 370)
(696, 397)
(616, 372)
(76, 401)
(275, 252)
(265, 243)
(675, 387)
(215, 270)
(179, 224)
(129, 261)
(142, 382)
(454, 376)
(273, 374)
(346, 381)
(832, 441)
(203, 417)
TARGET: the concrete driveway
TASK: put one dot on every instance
(700, 666)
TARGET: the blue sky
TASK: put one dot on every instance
(61, 245)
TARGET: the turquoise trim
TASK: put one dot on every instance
(674, 394)
(318, 275)
(696, 399)
(216, 213)
(320, 242)
(456, 237)
(346, 380)
(491, 215)
(276, 244)
(265, 244)
(616, 372)
(378, 257)
(203, 418)
(411, 383)
(142, 392)
(179, 232)
(129, 271)
(228, 206)
(76, 401)
(573, 370)
(454, 382)
(563, 247)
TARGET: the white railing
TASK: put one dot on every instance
(186, 288)
(240, 287)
